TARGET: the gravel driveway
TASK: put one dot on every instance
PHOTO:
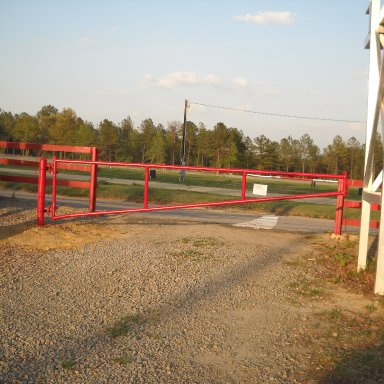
(133, 300)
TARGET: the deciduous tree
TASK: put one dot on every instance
(108, 139)
(266, 152)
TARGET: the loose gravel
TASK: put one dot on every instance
(152, 302)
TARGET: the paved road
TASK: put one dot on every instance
(235, 192)
(202, 215)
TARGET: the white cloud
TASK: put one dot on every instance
(267, 17)
(357, 127)
(176, 79)
(240, 82)
(212, 79)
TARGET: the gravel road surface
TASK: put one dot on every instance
(148, 300)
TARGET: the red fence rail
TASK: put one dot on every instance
(45, 147)
(340, 193)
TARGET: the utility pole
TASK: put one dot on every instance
(182, 172)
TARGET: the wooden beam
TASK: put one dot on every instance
(372, 197)
(367, 42)
(378, 181)
(381, 16)
(46, 147)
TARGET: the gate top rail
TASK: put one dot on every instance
(207, 169)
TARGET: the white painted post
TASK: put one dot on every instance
(375, 109)
(379, 281)
(374, 74)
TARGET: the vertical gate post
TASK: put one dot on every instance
(93, 182)
(54, 187)
(41, 191)
(244, 186)
(146, 181)
(341, 187)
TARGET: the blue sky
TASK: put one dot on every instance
(142, 58)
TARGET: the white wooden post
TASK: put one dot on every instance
(374, 72)
(375, 109)
(379, 281)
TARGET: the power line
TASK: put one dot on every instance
(279, 114)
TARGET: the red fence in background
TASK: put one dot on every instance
(358, 204)
(340, 193)
(55, 149)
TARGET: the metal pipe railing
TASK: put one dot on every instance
(41, 191)
(340, 193)
(342, 189)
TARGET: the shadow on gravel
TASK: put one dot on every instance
(62, 358)
(372, 250)
(8, 231)
(14, 207)
(361, 366)
(183, 304)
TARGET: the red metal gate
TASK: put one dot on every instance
(340, 193)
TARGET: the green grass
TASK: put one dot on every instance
(349, 342)
(371, 308)
(352, 347)
(306, 288)
(202, 241)
(333, 314)
(123, 360)
(68, 364)
(224, 180)
(197, 248)
(125, 325)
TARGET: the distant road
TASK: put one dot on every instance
(201, 215)
(180, 187)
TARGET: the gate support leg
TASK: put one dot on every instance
(341, 187)
(93, 185)
(41, 191)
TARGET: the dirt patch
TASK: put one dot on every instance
(347, 319)
(59, 236)
(19, 227)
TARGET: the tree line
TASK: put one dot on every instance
(218, 146)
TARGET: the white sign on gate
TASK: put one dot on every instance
(260, 189)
